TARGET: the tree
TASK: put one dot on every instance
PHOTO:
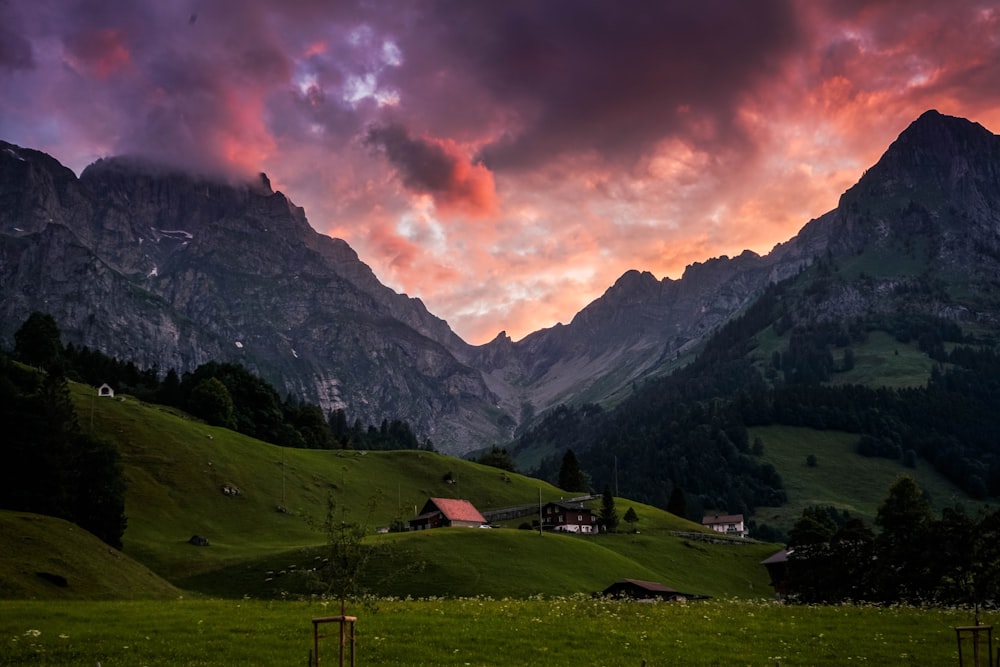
(50, 465)
(608, 516)
(571, 477)
(677, 504)
(211, 401)
(631, 518)
(497, 457)
(905, 547)
(37, 342)
(347, 557)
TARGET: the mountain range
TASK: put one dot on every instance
(172, 269)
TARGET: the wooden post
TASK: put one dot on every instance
(974, 631)
(343, 621)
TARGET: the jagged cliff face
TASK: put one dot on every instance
(919, 232)
(173, 270)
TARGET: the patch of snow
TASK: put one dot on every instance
(294, 353)
(153, 273)
(176, 233)
(239, 345)
(15, 154)
(18, 229)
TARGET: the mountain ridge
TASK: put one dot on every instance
(172, 270)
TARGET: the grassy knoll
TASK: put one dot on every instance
(460, 562)
(178, 469)
(842, 477)
(50, 558)
(480, 631)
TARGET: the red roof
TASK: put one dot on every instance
(457, 510)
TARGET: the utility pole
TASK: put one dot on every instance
(616, 475)
(539, 511)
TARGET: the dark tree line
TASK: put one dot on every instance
(915, 557)
(229, 395)
(688, 431)
(50, 465)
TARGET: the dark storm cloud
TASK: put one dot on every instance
(610, 77)
(435, 168)
(15, 50)
(423, 166)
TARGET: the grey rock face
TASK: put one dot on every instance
(173, 270)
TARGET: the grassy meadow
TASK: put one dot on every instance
(265, 539)
(841, 477)
(462, 596)
(479, 631)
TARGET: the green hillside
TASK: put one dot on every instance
(259, 507)
(49, 558)
(841, 477)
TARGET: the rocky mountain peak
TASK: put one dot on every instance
(936, 156)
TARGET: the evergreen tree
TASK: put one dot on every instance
(37, 343)
(608, 515)
(631, 518)
(50, 466)
(905, 547)
(676, 504)
(571, 477)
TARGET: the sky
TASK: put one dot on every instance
(505, 162)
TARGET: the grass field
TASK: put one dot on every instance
(480, 631)
(177, 470)
(47, 558)
(841, 478)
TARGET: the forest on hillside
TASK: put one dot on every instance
(54, 466)
(688, 431)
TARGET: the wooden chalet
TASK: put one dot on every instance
(446, 512)
(636, 589)
(568, 518)
(777, 568)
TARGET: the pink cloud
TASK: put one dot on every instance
(506, 161)
(98, 53)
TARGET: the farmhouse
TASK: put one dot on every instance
(728, 524)
(777, 569)
(444, 512)
(568, 518)
(636, 589)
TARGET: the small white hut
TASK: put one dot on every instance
(106, 390)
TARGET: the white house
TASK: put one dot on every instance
(106, 390)
(728, 524)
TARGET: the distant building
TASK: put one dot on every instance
(106, 390)
(637, 589)
(729, 524)
(568, 518)
(445, 512)
(777, 568)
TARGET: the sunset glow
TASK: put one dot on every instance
(506, 162)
